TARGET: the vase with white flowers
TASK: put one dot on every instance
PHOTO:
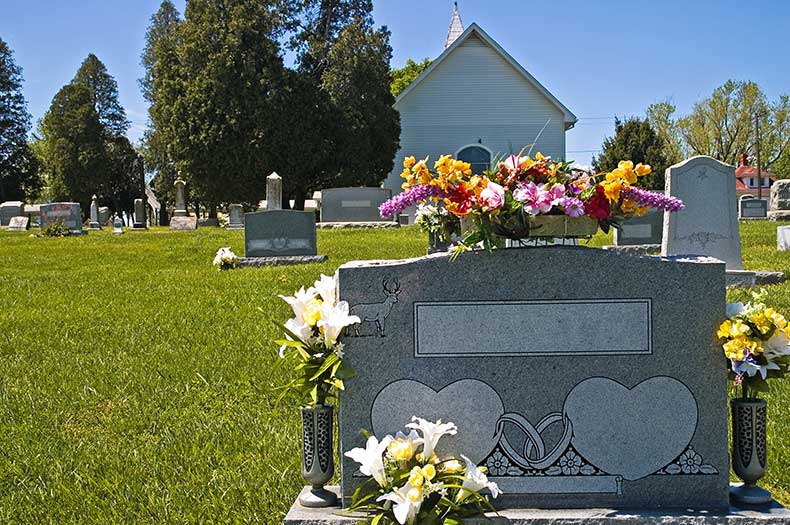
(413, 482)
(756, 342)
(312, 342)
(225, 259)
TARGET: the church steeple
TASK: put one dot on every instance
(456, 27)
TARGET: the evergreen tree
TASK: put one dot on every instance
(634, 139)
(160, 87)
(19, 177)
(403, 77)
(93, 75)
(230, 64)
(357, 80)
(72, 147)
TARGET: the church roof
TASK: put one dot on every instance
(475, 30)
(456, 28)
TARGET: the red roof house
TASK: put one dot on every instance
(746, 180)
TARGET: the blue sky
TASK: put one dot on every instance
(600, 58)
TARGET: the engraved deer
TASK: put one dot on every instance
(376, 313)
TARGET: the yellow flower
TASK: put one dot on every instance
(612, 187)
(401, 449)
(415, 495)
(629, 206)
(416, 478)
(444, 165)
(312, 312)
(408, 162)
(539, 157)
(733, 329)
(625, 171)
(641, 211)
(429, 472)
(776, 318)
(736, 348)
(643, 169)
(763, 323)
(452, 466)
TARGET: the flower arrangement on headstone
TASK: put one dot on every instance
(756, 342)
(311, 340)
(522, 197)
(412, 483)
(439, 224)
(225, 259)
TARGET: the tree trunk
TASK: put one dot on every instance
(212, 211)
(299, 198)
(163, 221)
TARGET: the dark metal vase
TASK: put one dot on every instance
(435, 245)
(318, 465)
(749, 455)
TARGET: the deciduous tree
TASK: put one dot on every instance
(403, 77)
(636, 140)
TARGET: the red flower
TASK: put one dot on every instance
(598, 205)
(461, 201)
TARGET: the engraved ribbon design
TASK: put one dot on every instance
(533, 455)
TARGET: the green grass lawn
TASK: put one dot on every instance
(136, 381)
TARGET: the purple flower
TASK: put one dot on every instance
(572, 207)
(652, 199)
(408, 198)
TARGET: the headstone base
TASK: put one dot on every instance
(752, 218)
(635, 249)
(741, 279)
(181, 213)
(779, 215)
(234, 227)
(765, 278)
(773, 514)
(94, 226)
(360, 225)
(183, 223)
(139, 226)
(283, 260)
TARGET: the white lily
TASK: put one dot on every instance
(475, 480)
(299, 329)
(224, 254)
(300, 300)
(371, 458)
(333, 319)
(407, 501)
(431, 433)
(752, 369)
(777, 346)
(326, 287)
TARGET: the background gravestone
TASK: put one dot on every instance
(18, 224)
(139, 215)
(274, 192)
(94, 223)
(181, 199)
(353, 204)
(708, 224)
(752, 209)
(235, 217)
(278, 233)
(10, 209)
(68, 213)
(614, 374)
(780, 200)
(104, 215)
(783, 238)
(648, 229)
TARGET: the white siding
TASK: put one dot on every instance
(475, 94)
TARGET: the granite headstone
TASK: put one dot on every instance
(648, 229)
(780, 200)
(783, 238)
(181, 199)
(274, 192)
(708, 224)
(68, 213)
(353, 204)
(139, 215)
(279, 232)
(104, 215)
(752, 208)
(235, 217)
(18, 224)
(117, 226)
(95, 223)
(604, 388)
(10, 209)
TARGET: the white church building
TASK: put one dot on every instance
(476, 102)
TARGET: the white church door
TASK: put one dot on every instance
(478, 156)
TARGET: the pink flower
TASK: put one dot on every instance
(536, 200)
(493, 196)
(572, 207)
(514, 163)
(556, 195)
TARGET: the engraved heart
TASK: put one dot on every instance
(631, 432)
(472, 405)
